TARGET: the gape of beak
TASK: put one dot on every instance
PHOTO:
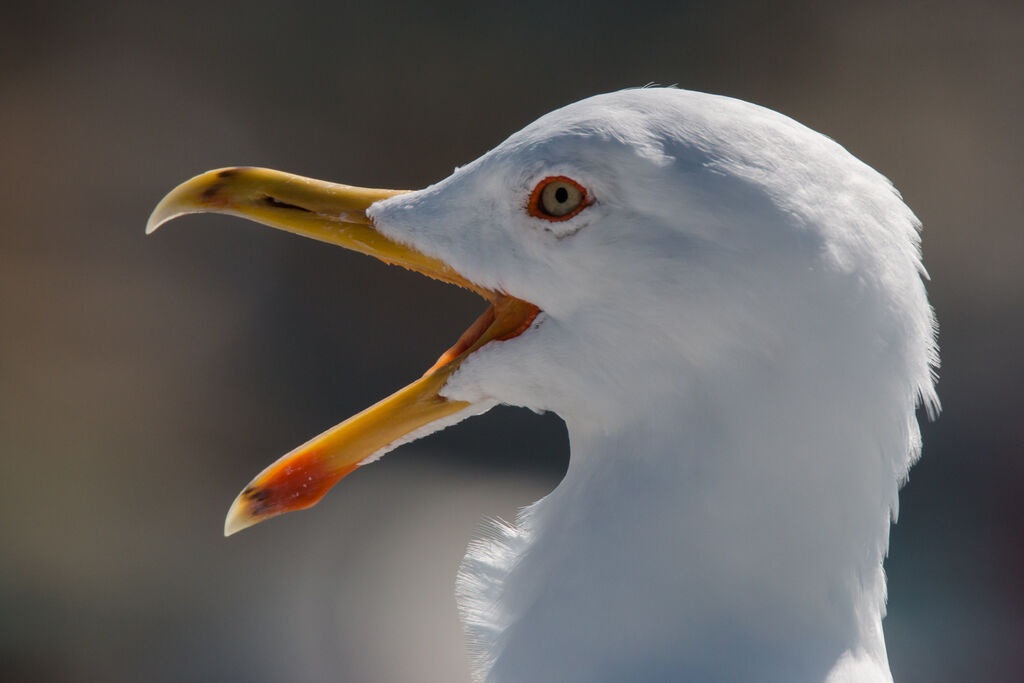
(337, 214)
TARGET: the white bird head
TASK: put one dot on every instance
(706, 229)
(708, 273)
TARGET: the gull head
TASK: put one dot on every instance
(699, 235)
(637, 249)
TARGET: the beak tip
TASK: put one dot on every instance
(153, 223)
(238, 518)
(163, 213)
(192, 196)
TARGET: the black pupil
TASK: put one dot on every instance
(561, 195)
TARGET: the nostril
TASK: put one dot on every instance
(278, 204)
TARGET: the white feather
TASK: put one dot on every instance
(737, 335)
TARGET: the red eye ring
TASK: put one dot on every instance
(536, 209)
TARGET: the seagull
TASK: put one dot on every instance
(728, 311)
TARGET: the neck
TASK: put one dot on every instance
(735, 536)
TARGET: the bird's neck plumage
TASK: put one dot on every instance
(739, 383)
(733, 531)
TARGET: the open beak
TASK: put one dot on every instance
(336, 213)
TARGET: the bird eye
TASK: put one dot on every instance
(557, 199)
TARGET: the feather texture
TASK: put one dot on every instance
(737, 335)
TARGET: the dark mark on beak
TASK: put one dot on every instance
(212, 191)
(257, 494)
(278, 204)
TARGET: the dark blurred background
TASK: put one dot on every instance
(143, 381)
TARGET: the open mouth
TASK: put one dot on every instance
(336, 213)
(506, 318)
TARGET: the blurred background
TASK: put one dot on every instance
(144, 381)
